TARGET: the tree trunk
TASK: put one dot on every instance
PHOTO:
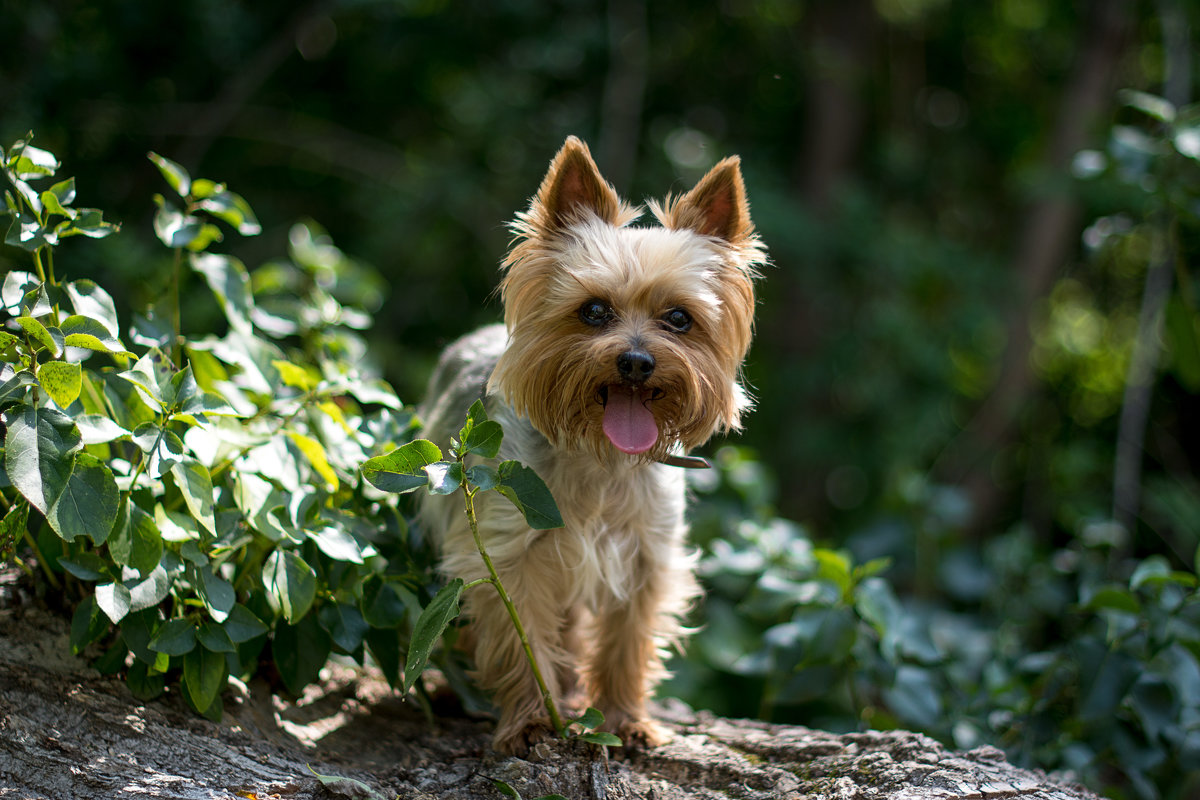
(66, 732)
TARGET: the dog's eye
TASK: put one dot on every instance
(678, 320)
(595, 312)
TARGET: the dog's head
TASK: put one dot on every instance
(624, 338)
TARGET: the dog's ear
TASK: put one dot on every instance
(716, 205)
(574, 186)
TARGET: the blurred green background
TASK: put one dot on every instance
(965, 218)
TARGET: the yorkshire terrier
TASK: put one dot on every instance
(621, 349)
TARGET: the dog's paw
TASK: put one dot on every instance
(642, 734)
(518, 738)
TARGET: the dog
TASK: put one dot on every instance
(621, 349)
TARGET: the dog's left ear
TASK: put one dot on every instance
(573, 186)
(716, 205)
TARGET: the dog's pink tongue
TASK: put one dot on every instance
(628, 424)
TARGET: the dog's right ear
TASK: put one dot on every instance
(573, 187)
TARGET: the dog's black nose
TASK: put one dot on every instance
(635, 365)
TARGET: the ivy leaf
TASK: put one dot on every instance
(402, 470)
(529, 494)
(39, 452)
(429, 628)
(290, 582)
(62, 380)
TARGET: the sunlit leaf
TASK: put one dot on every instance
(529, 494)
(87, 505)
(403, 469)
(62, 381)
(290, 582)
(39, 450)
(176, 175)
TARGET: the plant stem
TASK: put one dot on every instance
(547, 698)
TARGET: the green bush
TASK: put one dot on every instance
(199, 496)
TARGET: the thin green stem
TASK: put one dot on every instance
(547, 697)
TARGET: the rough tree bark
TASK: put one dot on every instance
(66, 732)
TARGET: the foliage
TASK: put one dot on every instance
(1076, 660)
(199, 495)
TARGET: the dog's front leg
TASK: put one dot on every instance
(538, 589)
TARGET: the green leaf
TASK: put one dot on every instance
(58, 197)
(444, 477)
(591, 719)
(297, 376)
(17, 285)
(345, 625)
(242, 625)
(135, 541)
(180, 231)
(27, 161)
(88, 502)
(91, 301)
(88, 624)
(114, 600)
(215, 592)
(483, 476)
(1187, 141)
(229, 281)
(98, 429)
(87, 566)
(40, 334)
(87, 222)
(233, 209)
(402, 470)
(384, 646)
(300, 651)
(164, 448)
(177, 177)
(195, 484)
(62, 380)
(90, 334)
(1157, 107)
(602, 738)
(150, 591)
(290, 582)
(381, 605)
(39, 452)
(529, 494)
(484, 439)
(337, 543)
(215, 638)
(144, 684)
(176, 637)
(203, 676)
(429, 628)
(12, 526)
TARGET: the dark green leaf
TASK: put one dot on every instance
(429, 628)
(39, 452)
(590, 719)
(483, 476)
(229, 281)
(403, 469)
(215, 638)
(135, 541)
(175, 638)
(88, 502)
(242, 625)
(384, 644)
(484, 439)
(529, 494)
(290, 582)
(87, 566)
(203, 676)
(345, 625)
(215, 592)
(381, 605)
(87, 624)
(602, 738)
(300, 651)
(144, 684)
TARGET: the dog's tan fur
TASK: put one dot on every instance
(602, 598)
